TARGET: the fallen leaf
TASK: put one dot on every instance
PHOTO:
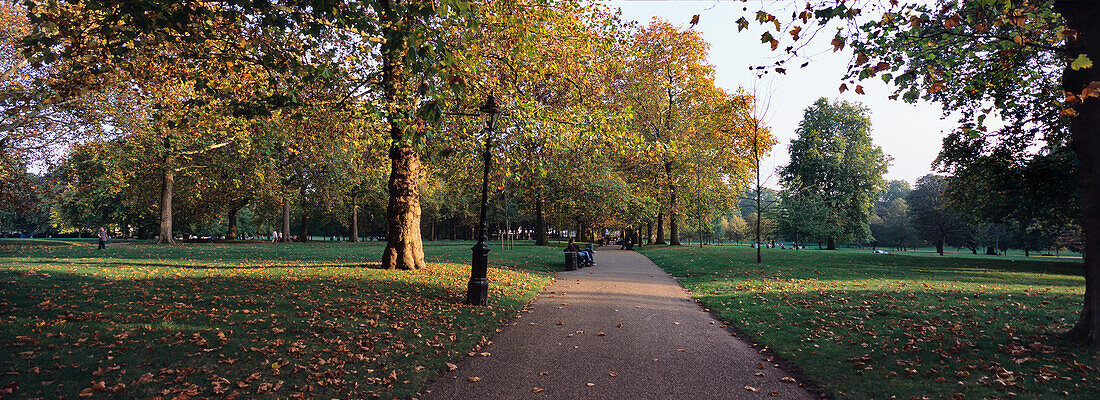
(451, 367)
(536, 389)
(144, 378)
(474, 379)
(751, 389)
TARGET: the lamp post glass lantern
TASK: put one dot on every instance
(477, 291)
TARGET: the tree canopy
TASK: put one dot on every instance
(835, 173)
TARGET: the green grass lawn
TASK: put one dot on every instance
(5, 242)
(872, 326)
(264, 320)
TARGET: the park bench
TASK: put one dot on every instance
(573, 260)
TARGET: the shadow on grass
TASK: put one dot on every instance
(363, 333)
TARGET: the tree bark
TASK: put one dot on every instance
(353, 236)
(830, 244)
(673, 226)
(404, 246)
(285, 233)
(1085, 131)
(648, 232)
(166, 190)
(231, 233)
(303, 231)
(990, 251)
(661, 226)
(540, 222)
(940, 244)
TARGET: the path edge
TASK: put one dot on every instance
(804, 381)
(488, 339)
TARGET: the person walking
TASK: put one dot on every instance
(102, 238)
(274, 236)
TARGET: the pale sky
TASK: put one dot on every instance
(911, 134)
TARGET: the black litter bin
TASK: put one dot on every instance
(571, 261)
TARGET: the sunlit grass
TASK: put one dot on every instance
(872, 326)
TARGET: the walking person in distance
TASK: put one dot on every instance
(102, 238)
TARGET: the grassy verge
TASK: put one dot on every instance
(244, 320)
(873, 326)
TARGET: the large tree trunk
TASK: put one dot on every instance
(303, 229)
(648, 232)
(940, 244)
(404, 248)
(353, 236)
(1085, 130)
(673, 226)
(540, 222)
(990, 251)
(661, 226)
(166, 188)
(303, 235)
(285, 233)
(830, 244)
(231, 233)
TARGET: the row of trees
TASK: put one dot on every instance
(834, 191)
(304, 116)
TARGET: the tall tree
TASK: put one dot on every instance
(754, 111)
(934, 219)
(890, 223)
(1030, 61)
(834, 162)
(665, 80)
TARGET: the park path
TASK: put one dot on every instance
(623, 329)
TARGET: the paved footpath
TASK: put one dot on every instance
(623, 329)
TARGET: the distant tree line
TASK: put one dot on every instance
(833, 191)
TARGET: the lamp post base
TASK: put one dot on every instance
(477, 291)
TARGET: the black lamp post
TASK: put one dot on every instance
(477, 291)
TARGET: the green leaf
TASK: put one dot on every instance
(766, 37)
(1081, 62)
(742, 24)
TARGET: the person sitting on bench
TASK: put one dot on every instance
(585, 254)
(627, 245)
